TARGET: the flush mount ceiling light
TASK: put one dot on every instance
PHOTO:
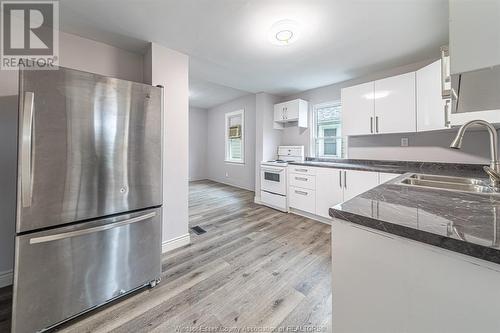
(284, 32)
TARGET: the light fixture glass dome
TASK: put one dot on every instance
(284, 32)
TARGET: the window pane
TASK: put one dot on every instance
(330, 148)
(328, 131)
(235, 149)
(234, 136)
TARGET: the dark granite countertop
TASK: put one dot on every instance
(457, 221)
(399, 167)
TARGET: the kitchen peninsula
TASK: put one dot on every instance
(415, 259)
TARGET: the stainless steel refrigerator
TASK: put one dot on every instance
(89, 194)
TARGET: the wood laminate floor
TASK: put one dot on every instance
(254, 268)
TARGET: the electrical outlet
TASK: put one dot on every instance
(404, 142)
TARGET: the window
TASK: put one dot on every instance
(327, 131)
(234, 136)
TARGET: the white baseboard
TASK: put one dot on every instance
(196, 179)
(318, 218)
(175, 243)
(6, 278)
(311, 216)
(231, 184)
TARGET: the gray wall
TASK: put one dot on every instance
(427, 146)
(197, 143)
(8, 166)
(240, 175)
(267, 139)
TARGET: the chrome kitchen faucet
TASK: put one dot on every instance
(494, 169)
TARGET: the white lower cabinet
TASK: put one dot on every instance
(397, 285)
(303, 199)
(303, 181)
(329, 191)
(314, 189)
(356, 182)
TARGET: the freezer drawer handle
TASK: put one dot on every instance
(69, 234)
(26, 149)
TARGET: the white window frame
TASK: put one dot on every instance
(314, 124)
(229, 115)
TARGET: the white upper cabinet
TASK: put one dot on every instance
(432, 109)
(294, 111)
(358, 109)
(474, 35)
(380, 107)
(395, 104)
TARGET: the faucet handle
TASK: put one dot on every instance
(494, 176)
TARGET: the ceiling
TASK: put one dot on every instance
(206, 95)
(227, 40)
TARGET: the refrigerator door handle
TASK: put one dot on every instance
(69, 234)
(26, 149)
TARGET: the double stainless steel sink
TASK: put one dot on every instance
(460, 184)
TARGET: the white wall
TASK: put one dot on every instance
(170, 69)
(240, 175)
(75, 52)
(198, 143)
(91, 56)
(267, 139)
(428, 146)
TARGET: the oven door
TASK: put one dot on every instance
(273, 179)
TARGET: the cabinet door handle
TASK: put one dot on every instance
(445, 72)
(371, 124)
(447, 113)
(301, 192)
(301, 178)
(340, 178)
(376, 124)
(345, 179)
(301, 170)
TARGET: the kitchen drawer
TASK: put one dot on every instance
(273, 200)
(303, 199)
(303, 181)
(302, 169)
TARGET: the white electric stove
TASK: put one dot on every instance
(273, 177)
